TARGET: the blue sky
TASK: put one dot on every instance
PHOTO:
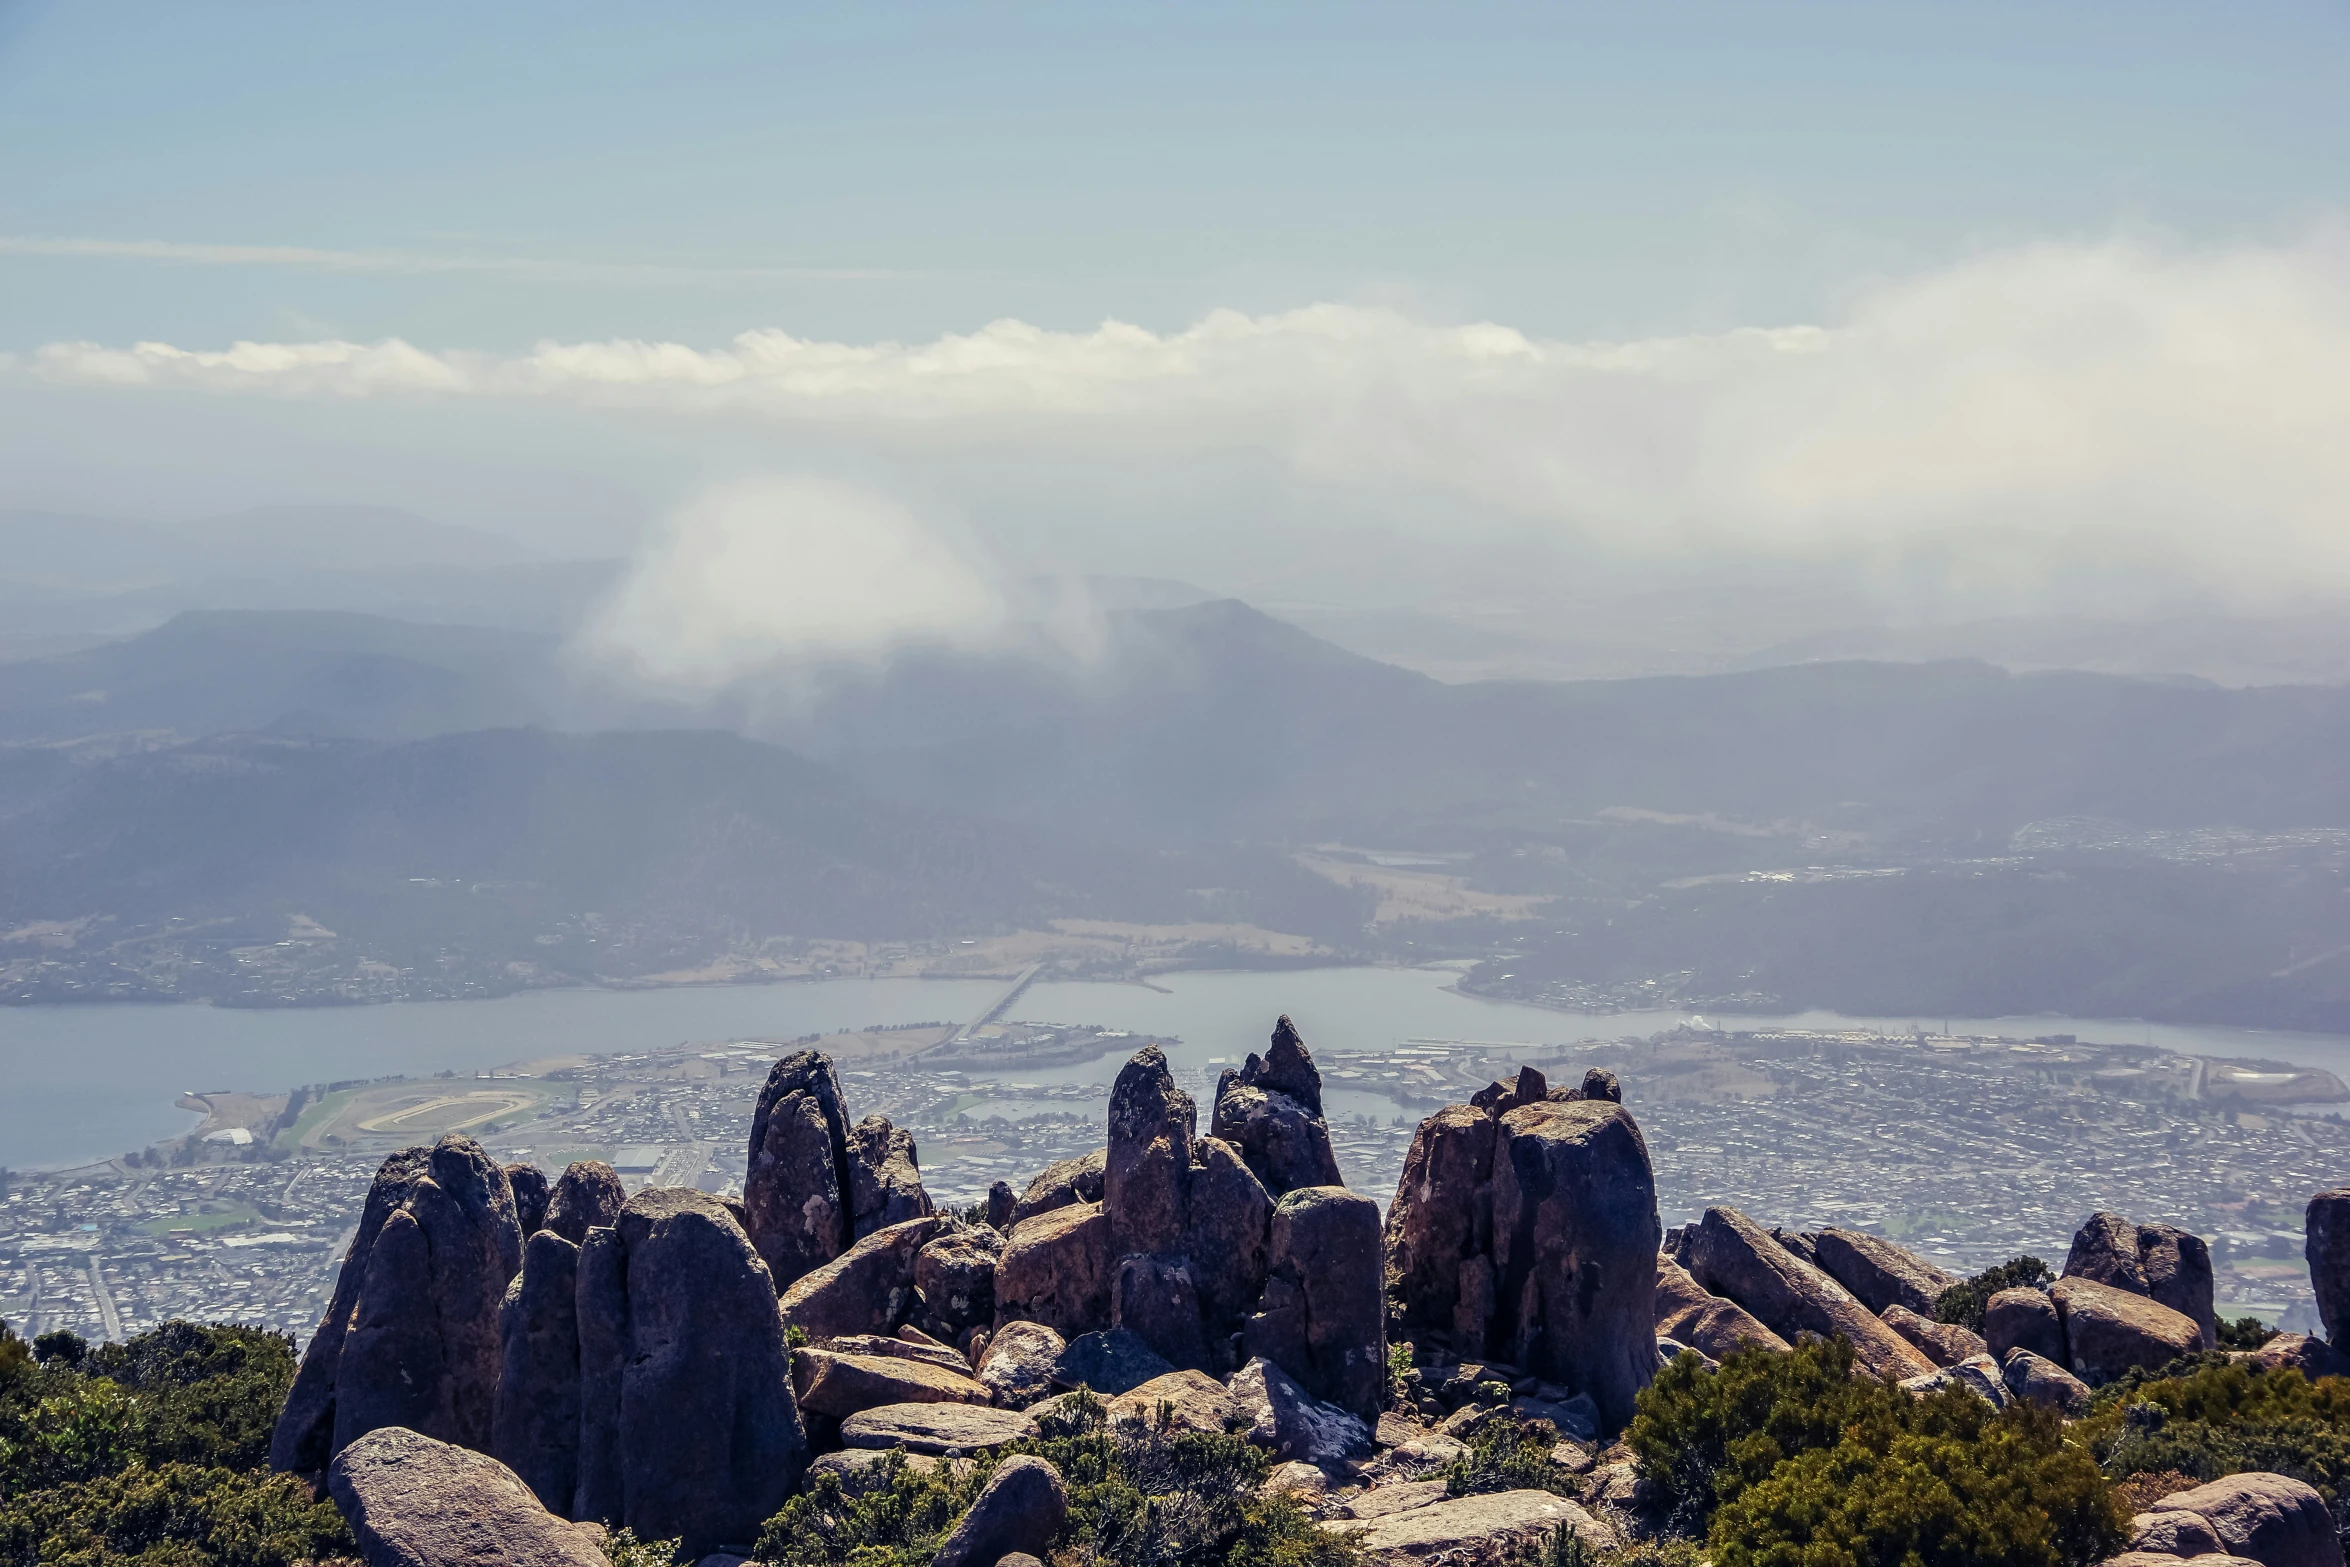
(2058, 291)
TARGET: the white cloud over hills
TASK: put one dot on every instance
(2031, 412)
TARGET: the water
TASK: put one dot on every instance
(85, 1082)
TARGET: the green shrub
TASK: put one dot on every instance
(888, 1515)
(1950, 1485)
(1964, 1303)
(1508, 1454)
(2215, 1417)
(2244, 1333)
(179, 1515)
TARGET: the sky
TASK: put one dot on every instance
(1965, 307)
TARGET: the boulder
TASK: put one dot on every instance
(936, 1428)
(422, 1347)
(1111, 1362)
(1396, 1497)
(1062, 1184)
(2175, 1534)
(2277, 1521)
(1706, 1323)
(1281, 1416)
(1575, 1238)
(1733, 1256)
(1944, 1343)
(796, 1188)
(885, 1182)
(2107, 1331)
(2312, 1357)
(1146, 1185)
(2042, 1381)
(2024, 1319)
(955, 1275)
(589, 1194)
(867, 1289)
(415, 1502)
(1495, 1527)
(1018, 1367)
(2159, 1261)
(928, 1351)
(1055, 1269)
(535, 1431)
(1018, 1511)
(1270, 1110)
(1439, 1238)
(2169, 1559)
(1188, 1400)
(705, 1436)
(1978, 1374)
(303, 1440)
(1225, 1239)
(827, 1382)
(1001, 1200)
(529, 1184)
(1600, 1083)
(1499, 1098)
(2327, 1249)
(1324, 1313)
(1801, 1243)
(1154, 1299)
(1880, 1274)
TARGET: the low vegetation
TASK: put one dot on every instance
(1964, 1303)
(2207, 1416)
(152, 1452)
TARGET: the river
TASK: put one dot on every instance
(84, 1082)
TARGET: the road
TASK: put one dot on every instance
(1001, 1005)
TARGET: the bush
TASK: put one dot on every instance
(1964, 1303)
(2244, 1333)
(2218, 1417)
(1951, 1485)
(179, 1515)
(1508, 1454)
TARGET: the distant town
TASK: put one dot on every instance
(1969, 1149)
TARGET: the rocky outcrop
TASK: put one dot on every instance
(421, 1349)
(536, 1428)
(816, 1184)
(1730, 1255)
(2327, 1248)
(303, 1440)
(1291, 1423)
(1146, 1186)
(699, 1426)
(1880, 1274)
(1704, 1322)
(2159, 1261)
(1155, 1298)
(1271, 1111)
(1977, 1374)
(2312, 1357)
(1112, 1362)
(1323, 1315)
(867, 1289)
(1525, 1228)
(1019, 1510)
(415, 1502)
(2040, 1380)
(1001, 1201)
(2108, 1331)
(830, 1383)
(1018, 1365)
(529, 1184)
(954, 1273)
(1943, 1343)
(2024, 1319)
(2269, 1518)
(1055, 1269)
(1062, 1184)
(589, 1194)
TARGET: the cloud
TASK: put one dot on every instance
(2030, 412)
(751, 573)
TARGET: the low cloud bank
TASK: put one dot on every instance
(2029, 415)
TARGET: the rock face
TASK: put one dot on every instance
(1018, 1365)
(1706, 1323)
(2159, 1261)
(2328, 1250)
(1526, 1230)
(1113, 1362)
(2271, 1519)
(2107, 1331)
(955, 1274)
(815, 1184)
(415, 1502)
(1489, 1528)
(1283, 1417)
(2024, 1319)
(2312, 1357)
(2042, 1381)
(536, 1429)
(1732, 1256)
(421, 1348)
(828, 1383)
(1055, 1269)
(1020, 1509)
(1001, 1200)
(867, 1289)
(699, 1426)
(1271, 1110)
(1880, 1274)
(588, 1195)
(1324, 1313)
(1944, 1343)
(529, 1184)
(303, 1441)
(1063, 1182)
(936, 1428)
